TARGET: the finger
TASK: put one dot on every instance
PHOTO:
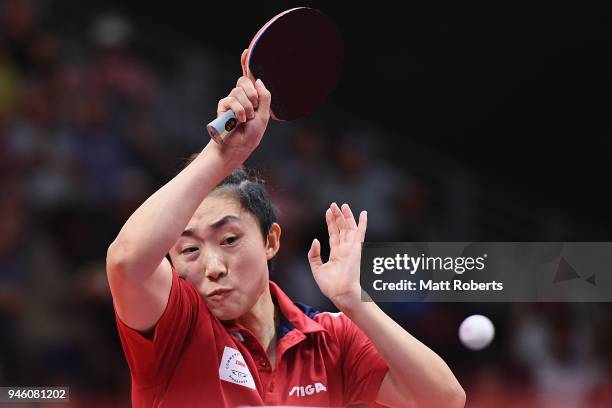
(332, 228)
(264, 99)
(249, 89)
(363, 224)
(314, 255)
(242, 97)
(243, 61)
(349, 218)
(231, 103)
(337, 216)
(342, 224)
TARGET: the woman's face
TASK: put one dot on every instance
(223, 255)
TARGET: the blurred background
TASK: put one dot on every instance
(453, 121)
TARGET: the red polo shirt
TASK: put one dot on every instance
(195, 360)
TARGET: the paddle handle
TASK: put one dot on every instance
(222, 127)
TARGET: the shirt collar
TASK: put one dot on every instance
(292, 313)
(292, 317)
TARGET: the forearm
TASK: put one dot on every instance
(413, 366)
(156, 225)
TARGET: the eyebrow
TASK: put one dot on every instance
(190, 232)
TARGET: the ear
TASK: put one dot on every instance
(243, 61)
(273, 241)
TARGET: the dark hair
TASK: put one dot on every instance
(252, 196)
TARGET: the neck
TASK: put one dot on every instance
(261, 320)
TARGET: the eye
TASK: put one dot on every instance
(229, 240)
(189, 250)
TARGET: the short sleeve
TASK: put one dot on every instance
(151, 358)
(362, 366)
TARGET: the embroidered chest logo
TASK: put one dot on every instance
(303, 391)
(233, 368)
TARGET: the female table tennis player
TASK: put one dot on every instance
(202, 325)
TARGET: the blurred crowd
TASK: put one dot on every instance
(89, 128)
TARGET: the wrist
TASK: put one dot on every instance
(348, 301)
(226, 162)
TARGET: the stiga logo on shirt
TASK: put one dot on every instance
(302, 391)
(233, 368)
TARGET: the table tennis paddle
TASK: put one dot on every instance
(298, 55)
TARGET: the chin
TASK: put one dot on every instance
(225, 313)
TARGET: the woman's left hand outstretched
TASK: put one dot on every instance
(338, 278)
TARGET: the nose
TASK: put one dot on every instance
(214, 267)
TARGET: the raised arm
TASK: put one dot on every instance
(139, 275)
(417, 376)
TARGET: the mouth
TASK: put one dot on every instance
(219, 294)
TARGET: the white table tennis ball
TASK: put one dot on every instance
(476, 332)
